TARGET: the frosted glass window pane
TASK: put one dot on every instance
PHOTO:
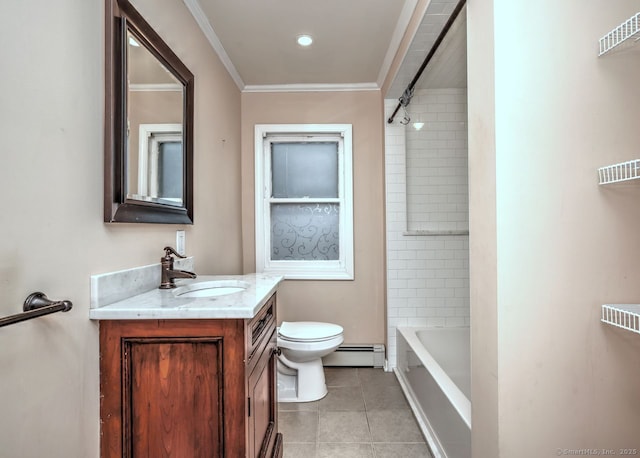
(304, 169)
(170, 161)
(305, 232)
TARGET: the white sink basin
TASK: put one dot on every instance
(211, 288)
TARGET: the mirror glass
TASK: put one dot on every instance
(154, 128)
(148, 124)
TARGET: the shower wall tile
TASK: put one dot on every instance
(427, 275)
(436, 161)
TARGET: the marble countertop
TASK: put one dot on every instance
(163, 303)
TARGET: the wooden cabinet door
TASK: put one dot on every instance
(171, 397)
(263, 408)
(172, 388)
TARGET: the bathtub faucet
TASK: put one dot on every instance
(168, 273)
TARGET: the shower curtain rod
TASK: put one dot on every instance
(405, 99)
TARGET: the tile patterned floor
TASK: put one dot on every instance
(365, 415)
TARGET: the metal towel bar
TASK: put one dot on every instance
(35, 305)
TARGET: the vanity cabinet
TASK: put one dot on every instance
(190, 387)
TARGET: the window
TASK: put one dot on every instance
(160, 163)
(304, 205)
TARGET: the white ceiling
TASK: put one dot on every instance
(448, 66)
(354, 41)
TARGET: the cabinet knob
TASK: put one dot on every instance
(277, 351)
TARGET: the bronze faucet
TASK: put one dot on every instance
(168, 274)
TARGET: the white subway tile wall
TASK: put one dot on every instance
(436, 159)
(427, 193)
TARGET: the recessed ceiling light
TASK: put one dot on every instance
(305, 40)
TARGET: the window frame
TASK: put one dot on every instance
(265, 134)
(149, 138)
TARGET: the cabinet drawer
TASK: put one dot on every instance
(260, 329)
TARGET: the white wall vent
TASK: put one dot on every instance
(356, 356)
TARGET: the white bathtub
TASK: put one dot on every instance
(434, 369)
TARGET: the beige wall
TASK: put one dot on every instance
(548, 246)
(356, 305)
(53, 237)
(215, 238)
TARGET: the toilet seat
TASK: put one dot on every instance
(310, 346)
(308, 331)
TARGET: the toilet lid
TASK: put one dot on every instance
(309, 330)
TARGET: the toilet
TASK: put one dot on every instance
(302, 345)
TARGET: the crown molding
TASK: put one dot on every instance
(347, 87)
(204, 24)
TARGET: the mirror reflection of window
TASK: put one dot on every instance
(170, 170)
(160, 164)
(155, 98)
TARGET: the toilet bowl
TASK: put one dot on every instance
(302, 345)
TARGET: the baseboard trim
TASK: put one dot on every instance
(356, 356)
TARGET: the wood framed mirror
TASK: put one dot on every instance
(148, 148)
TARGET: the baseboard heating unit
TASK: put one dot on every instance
(356, 356)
